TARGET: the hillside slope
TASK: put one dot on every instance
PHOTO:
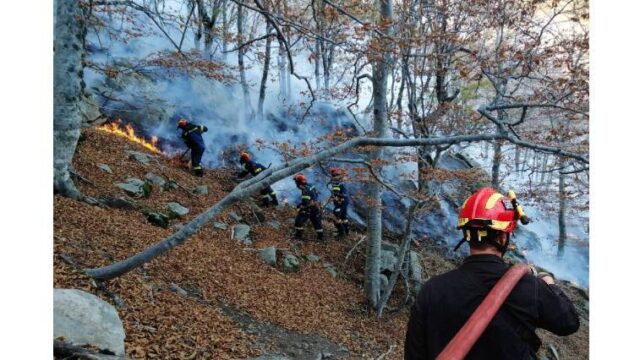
(213, 297)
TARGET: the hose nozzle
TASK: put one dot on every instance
(524, 219)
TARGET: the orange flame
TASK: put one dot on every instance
(129, 133)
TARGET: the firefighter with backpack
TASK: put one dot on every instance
(340, 200)
(308, 208)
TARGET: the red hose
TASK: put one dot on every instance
(467, 336)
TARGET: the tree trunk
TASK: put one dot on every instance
(265, 75)
(517, 159)
(243, 77)
(562, 227)
(68, 85)
(225, 30)
(543, 172)
(495, 167)
(374, 191)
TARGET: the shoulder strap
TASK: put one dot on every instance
(518, 327)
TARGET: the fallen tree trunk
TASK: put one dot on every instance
(268, 177)
(66, 350)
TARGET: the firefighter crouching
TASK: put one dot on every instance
(254, 168)
(192, 137)
(445, 302)
(340, 201)
(308, 209)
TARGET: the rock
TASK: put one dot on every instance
(105, 168)
(241, 233)
(415, 267)
(85, 319)
(118, 203)
(139, 156)
(220, 225)
(331, 270)
(177, 227)
(387, 260)
(157, 219)
(269, 255)
(201, 190)
(177, 210)
(159, 181)
(178, 290)
(274, 224)
(291, 221)
(291, 263)
(234, 215)
(312, 257)
(170, 185)
(135, 187)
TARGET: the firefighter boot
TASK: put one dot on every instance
(274, 200)
(298, 235)
(197, 171)
(345, 227)
(320, 235)
(265, 201)
(341, 232)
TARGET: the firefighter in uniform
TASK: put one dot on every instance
(192, 137)
(254, 168)
(340, 201)
(308, 209)
(445, 302)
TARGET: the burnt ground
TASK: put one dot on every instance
(213, 297)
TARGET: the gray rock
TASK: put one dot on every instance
(234, 215)
(177, 210)
(139, 156)
(274, 224)
(156, 180)
(291, 263)
(291, 221)
(135, 187)
(220, 225)
(269, 357)
(269, 255)
(85, 319)
(178, 290)
(201, 190)
(157, 219)
(313, 257)
(105, 167)
(415, 267)
(241, 233)
(387, 260)
(170, 185)
(330, 269)
(177, 227)
(118, 203)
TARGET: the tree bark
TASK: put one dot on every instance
(243, 76)
(562, 213)
(495, 167)
(68, 85)
(265, 74)
(374, 191)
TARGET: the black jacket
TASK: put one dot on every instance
(252, 168)
(445, 302)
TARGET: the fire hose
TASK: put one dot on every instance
(467, 336)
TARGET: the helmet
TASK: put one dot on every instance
(244, 157)
(334, 171)
(488, 209)
(182, 123)
(300, 179)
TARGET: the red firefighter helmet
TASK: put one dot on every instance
(488, 209)
(182, 123)
(300, 179)
(244, 157)
(334, 171)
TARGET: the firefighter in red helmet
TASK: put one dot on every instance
(251, 167)
(192, 137)
(445, 302)
(340, 200)
(308, 209)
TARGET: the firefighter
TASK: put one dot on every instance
(308, 209)
(192, 137)
(254, 168)
(340, 201)
(445, 302)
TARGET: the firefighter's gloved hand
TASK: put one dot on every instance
(547, 277)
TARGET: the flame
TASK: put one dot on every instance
(129, 133)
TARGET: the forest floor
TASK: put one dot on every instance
(213, 297)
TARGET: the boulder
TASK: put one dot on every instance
(157, 219)
(200, 190)
(85, 319)
(274, 224)
(159, 181)
(241, 233)
(170, 185)
(135, 187)
(387, 260)
(268, 255)
(220, 225)
(177, 210)
(291, 263)
(312, 257)
(104, 168)
(415, 267)
(139, 156)
(118, 203)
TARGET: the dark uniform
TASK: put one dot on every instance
(254, 168)
(340, 203)
(192, 137)
(308, 209)
(446, 302)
